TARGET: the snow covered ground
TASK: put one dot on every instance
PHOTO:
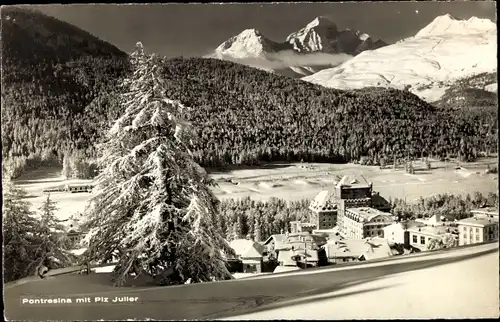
(467, 289)
(296, 182)
(444, 51)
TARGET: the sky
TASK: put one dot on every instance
(197, 29)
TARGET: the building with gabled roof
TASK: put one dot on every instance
(250, 253)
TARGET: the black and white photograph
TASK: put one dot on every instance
(250, 161)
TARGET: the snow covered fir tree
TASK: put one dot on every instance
(152, 206)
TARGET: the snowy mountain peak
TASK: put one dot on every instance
(447, 24)
(320, 21)
(322, 35)
(248, 43)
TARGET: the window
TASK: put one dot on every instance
(477, 230)
(422, 240)
(415, 239)
(477, 237)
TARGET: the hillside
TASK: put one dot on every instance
(441, 53)
(51, 71)
(319, 45)
(244, 115)
(470, 92)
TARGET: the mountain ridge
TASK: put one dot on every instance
(317, 46)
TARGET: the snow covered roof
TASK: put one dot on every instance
(368, 213)
(324, 200)
(276, 238)
(255, 251)
(355, 181)
(370, 248)
(245, 247)
(478, 221)
(429, 230)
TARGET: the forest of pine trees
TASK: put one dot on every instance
(246, 116)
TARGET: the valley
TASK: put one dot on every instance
(259, 176)
(297, 181)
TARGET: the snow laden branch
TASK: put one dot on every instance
(151, 205)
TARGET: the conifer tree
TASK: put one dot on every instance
(152, 203)
(53, 236)
(19, 241)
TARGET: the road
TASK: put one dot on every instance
(283, 295)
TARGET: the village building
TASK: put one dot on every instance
(365, 222)
(357, 250)
(477, 230)
(398, 233)
(75, 188)
(305, 245)
(420, 236)
(324, 210)
(250, 253)
(329, 207)
(351, 192)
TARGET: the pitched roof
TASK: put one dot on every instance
(368, 213)
(243, 246)
(277, 238)
(370, 248)
(324, 200)
(353, 180)
(253, 252)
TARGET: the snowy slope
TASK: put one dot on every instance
(442, 52)
(447, 24)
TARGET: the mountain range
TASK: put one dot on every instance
(60, 91)
(443, 52)
(319, 45)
